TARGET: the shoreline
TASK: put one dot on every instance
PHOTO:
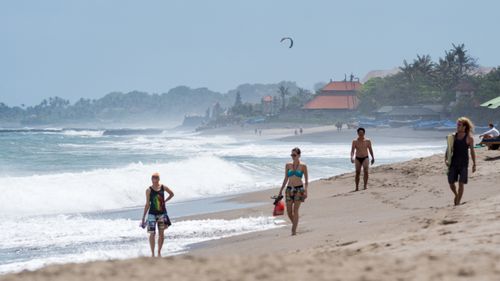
(405, 216)
(325, 134)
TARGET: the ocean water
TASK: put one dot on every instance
(72, 195)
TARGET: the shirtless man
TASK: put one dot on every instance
(359, 156)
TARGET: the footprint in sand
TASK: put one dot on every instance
(346, 243)
(426, 223)
(446, 222)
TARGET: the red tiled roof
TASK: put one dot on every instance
(267, 99)
(333, 102)
(342, 86)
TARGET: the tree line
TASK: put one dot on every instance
(424, 81)
(136, 105)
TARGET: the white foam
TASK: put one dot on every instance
(332, 151)
(83, 133)
(224, 146)
(131, 241)
(106, 189)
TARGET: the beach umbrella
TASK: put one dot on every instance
(494, 103)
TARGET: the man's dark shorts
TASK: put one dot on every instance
(459, 174)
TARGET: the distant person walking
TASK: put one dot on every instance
(296, 190)
(157, 212)
(457, 157)
(359, 156)
(339, 126)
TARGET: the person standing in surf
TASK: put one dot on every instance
(457, 157)
(157, 212)
(296, 189)
(359, 156)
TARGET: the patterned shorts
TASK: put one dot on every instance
(162, 220)
(295, 193)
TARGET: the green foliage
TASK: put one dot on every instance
(488, 85)
(283, 93)
(238, 101)
(298, 100)
(245, 110)
(420, 82)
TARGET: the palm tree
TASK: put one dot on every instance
(408, 70)
(463, 60)
(423, 65)
(238, 102)
(283, 91)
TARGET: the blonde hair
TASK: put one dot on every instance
(469, 126)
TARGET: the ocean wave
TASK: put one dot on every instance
(32, 130)
(84, 133)
(105, 189)
(127, 132)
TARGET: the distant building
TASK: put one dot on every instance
(464, 91)
(194, 120)
(267, 105)
(336, 96)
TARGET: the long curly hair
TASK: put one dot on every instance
(469, 126)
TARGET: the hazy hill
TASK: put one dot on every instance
(136, 107)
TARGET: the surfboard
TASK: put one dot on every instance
(449, 148)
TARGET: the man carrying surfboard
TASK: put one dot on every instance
(457, 157)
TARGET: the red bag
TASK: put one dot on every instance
(279, 208)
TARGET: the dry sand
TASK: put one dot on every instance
(403, 227)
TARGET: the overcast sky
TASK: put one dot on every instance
(89, 48)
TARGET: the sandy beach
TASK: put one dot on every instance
(403, 227)
(314, 133)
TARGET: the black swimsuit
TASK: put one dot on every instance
(361, 159)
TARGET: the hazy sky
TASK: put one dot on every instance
(89, 48)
